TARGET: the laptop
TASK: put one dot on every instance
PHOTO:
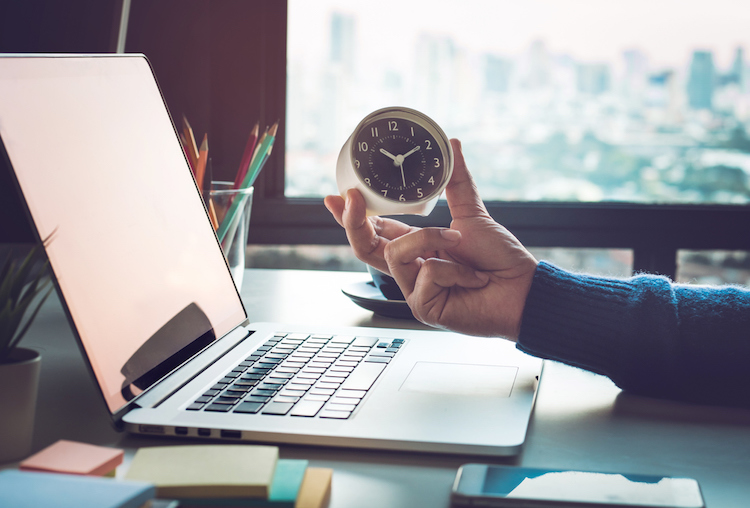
(151, 301)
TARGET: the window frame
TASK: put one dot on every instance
(654, 232)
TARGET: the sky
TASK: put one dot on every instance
(588, 30)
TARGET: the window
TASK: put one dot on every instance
(637, 141)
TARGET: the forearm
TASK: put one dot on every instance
(648, 335)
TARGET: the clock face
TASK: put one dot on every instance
(401, 157)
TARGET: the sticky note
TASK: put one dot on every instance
(72, 457)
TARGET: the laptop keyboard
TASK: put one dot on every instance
(302, 375)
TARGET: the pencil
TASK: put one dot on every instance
(256, 168)
(212, 214)
(261, 154)
(247, 156)
(200, 168)
(191, 147)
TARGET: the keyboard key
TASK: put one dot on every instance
(391, 350)
(340, 407)
(340, 368)
(318, 398)
(211, 392)
(322, 391)
(286, 398)
(268, 386)
(383, 345)
(290, 370)
(253, 376)
(264, 393)
(195, 406)
(331, 386)
(277, 408)
(308, 408)
(336, 374)
(365, 341)
(303, 381)
(355, 394)
(343, 400)
(377, 359)
(342, 339)
(292, 393)
(349, 353)
(364, 376)
(398, 341)
(203, 399)
(308, 375)
(278, 373)
(248, 407)
(219, 408)
(317, 370)
(297, 386)
(297, 336)
(258, 398)
(385, 353)
(341, 415)
(347, 363)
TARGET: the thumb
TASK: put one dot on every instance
(461, 191)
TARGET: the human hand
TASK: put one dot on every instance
(472, 278)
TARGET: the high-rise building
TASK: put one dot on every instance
(701, 80)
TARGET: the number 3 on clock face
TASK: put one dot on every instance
(399, 159)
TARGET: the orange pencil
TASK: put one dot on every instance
(200, 167)
(190, 147)
(212, 214)
(247, 156)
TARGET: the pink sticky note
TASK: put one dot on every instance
(74, 458)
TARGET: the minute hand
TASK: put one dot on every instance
(415, 149)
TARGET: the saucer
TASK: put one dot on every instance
(367, 296)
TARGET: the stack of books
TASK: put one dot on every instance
(230, 476)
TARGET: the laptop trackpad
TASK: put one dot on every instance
(460, 379)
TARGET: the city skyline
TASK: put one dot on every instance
(537, 125)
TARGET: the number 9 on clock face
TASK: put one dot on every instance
(399, 159)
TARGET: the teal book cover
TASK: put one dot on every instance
(26, 489)
(287, 480)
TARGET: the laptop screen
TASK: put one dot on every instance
(133, 252)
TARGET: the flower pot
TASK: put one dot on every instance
(19, 380)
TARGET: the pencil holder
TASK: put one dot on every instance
(230, 212)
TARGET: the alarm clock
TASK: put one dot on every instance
(399, 159)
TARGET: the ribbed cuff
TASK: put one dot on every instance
(576, 319)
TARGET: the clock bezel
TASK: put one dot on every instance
(376, 203)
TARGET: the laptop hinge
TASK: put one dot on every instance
(156, 394)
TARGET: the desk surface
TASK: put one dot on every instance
(581, 420)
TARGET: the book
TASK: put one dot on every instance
(316, 488)
(72, 457)
(206, 471)
(32, 489)
(287, 482)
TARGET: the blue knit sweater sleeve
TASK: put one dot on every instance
(649, 335)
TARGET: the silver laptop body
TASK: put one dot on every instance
(151, 301)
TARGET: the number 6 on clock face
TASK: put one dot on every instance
(399, 159)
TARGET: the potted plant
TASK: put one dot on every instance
(24, 286)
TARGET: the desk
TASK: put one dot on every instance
(581, 420)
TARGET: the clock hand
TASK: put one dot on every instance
(415, 149)
(385, 152)
(403, 178)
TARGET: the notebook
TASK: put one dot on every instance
(149, 296)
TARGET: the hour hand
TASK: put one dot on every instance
(387, 153)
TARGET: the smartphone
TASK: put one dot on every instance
(518, 487)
